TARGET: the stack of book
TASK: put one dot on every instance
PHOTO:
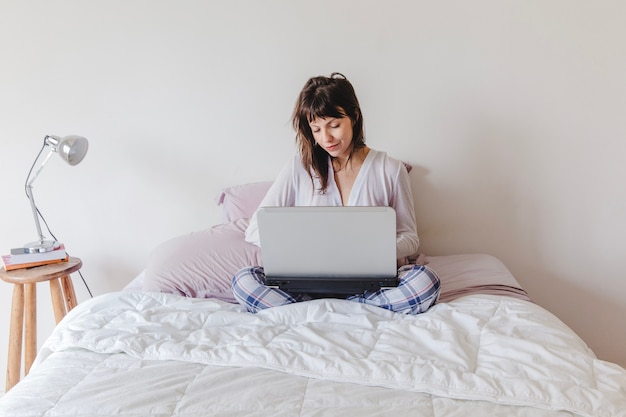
(29, 260)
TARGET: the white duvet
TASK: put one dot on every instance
(135, 353)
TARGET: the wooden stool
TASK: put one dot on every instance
(24, 306)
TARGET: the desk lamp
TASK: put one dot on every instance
(72, 149)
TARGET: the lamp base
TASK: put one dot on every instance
(39, 246)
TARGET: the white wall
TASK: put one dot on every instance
(512, 113)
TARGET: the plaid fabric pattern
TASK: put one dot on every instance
(417, 291)
(250, 291)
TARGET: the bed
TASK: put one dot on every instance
(173, 343)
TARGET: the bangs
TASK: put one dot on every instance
(321, 107)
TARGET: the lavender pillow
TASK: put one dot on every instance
(241, 201)
(201, 264)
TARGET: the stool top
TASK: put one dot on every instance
(41, 273)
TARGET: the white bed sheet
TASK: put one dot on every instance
(134, 353)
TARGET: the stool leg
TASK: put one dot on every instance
(57, 300)
(30, 325)
(15, 336)
(68, 291)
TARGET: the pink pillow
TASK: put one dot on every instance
(241, 201)
(201, 264)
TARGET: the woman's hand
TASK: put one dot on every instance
(421, 260)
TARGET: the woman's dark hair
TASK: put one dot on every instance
(323, 97)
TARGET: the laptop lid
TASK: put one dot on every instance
(324, 249)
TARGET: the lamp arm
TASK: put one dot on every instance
(29, 191)
(31, 178)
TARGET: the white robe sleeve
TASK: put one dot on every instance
(407, 241)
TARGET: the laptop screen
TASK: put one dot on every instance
(328, 243)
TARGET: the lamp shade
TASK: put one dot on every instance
(72, 149)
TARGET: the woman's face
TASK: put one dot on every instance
(334, 135)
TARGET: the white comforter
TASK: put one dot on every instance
(135, 353)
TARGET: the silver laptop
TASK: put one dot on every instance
(328, 251)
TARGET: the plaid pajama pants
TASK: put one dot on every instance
(417, 291)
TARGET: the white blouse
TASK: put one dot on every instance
(381, 181)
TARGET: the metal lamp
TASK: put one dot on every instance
(72, 149)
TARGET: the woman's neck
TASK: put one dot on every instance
(351, 162)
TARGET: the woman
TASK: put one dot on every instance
(334, 168)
